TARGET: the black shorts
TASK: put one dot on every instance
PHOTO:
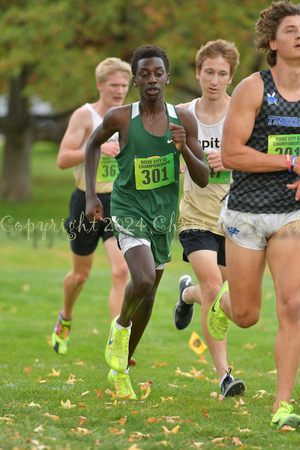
(194, 240)
(82, 234)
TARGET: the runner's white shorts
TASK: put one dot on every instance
(126, 242)
(252, 231)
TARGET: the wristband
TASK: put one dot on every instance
(293, 162)
(288, 161)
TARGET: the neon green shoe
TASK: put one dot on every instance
(122, 385)
(60, 336)
(284, 416)
(116, 351)
(217, 322)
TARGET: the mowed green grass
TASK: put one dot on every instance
(37, 385)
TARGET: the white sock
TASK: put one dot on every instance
(115, 372)
(183, 299)
(119, 327)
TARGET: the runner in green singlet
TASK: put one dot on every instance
(144, 200)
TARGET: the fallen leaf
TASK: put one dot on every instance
(39, 429)
(213, 394)
(196, 373)
(178, 371)
(250, 346)
(82, 420)
(67, 405)
(286, 428)
(171, 419)
(157, 364)
(244, 430)
(80, 430)
(114, 430)
(168, 399)
(99, 395)
(79, 363)
(136, 436)
(82, 405)
(27, 369)
(236, 441)
(204, 412)
(54, 373)
(202, 359)
(51, 416)
(34, 405)
(84, 393)
(174, 430)
(145, 387)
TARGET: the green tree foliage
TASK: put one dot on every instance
(50, 48)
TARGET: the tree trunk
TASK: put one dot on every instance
(16, 177)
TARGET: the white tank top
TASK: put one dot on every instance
(78, 171)
(199, 208)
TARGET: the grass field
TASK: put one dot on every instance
(50, 401)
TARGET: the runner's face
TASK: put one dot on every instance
(151, 78)
(113, 91)
(287, 42)
(214, 77)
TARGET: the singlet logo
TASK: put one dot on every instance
(272, 99)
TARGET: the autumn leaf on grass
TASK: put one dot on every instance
(145, 387)
(213, 394)
(114, 430)
(82, 420)
(236, 441)
(84, 393)
(79, 363)
(54, 373)
(259, 394)
(72, 379)
(136, 436)
(218, 440)
(39, 429)
(67, 405)
(33, 405)
(170, 419)
(173, 431)
(51, 416)
(153, 420)
(250, 346)
(99, 395)
(7, 420)
(244, 430)
(168, 399)
(27, 369)
(196, 444)
(80, 430)
(178, 371)
(204, 412)
(238, 403)
(196, 373)
(202, 359)
(157, 364)
(273, 371)
(286, 428)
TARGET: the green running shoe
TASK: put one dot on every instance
(116, 351)
(217, 322)
(60, 335)
(122, 385)
(284, 416)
